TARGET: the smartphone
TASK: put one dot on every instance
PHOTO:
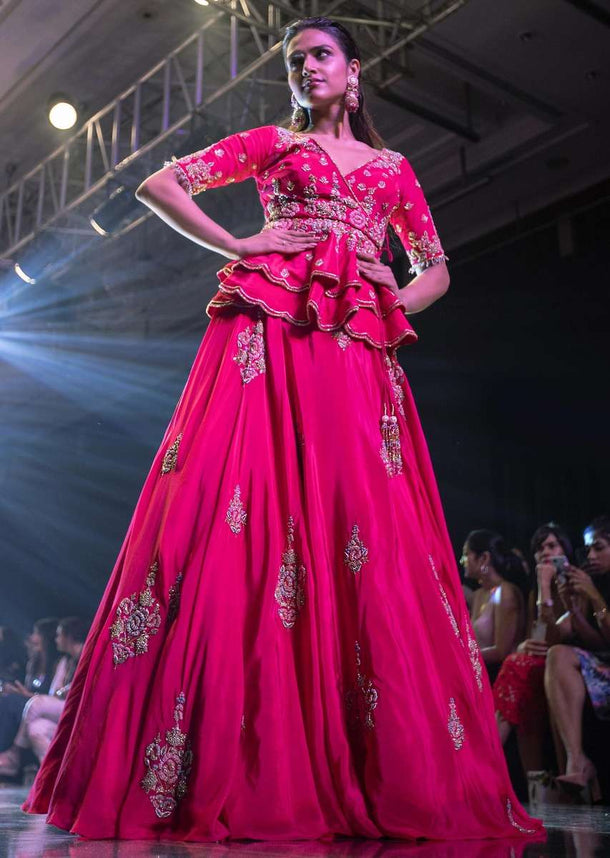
(561, 564)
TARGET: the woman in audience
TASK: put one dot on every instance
(41, 713)
(42, 656)
(573, 672)
(519, 688)
(497, 610)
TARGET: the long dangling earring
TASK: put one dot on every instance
(299, 116)
(352, 99)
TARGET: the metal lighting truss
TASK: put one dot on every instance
(225, 74)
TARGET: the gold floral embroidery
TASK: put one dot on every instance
(170, 459)
(362, 699)
(342, 339)
(356, 553)
(236, 515)
(137, 619)
(390, 451)
(455, 726)
(290, 590)
(397, 378)
(445, 600)
(424, 250)
(474, 654)
(168, 765)
(174, 600)
(512, 820)
(250, 355)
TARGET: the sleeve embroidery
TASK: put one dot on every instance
(233, 159)
(413, 223)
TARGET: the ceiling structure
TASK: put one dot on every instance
(500, 106)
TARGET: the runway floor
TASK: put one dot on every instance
(577, 832)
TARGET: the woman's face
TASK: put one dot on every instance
(317, 68)
(471, 563)
(550, 547)
(34, 641)
(598, 555)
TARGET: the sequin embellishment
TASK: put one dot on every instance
(445, 600)
(474, 654)
(170, 459)
(356, 553)
(137, 619)
(174, 600)
(397, 378)
(236, 514)
(455, 726)
(342, 339)
(361, 700)
(168, 765)
(250, 355)
(390, 451)
(512, 820)
(290, 589)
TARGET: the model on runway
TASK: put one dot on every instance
(283, 650)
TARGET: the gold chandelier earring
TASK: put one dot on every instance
(352, 99)
(299, 116)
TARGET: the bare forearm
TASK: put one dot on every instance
(585, 633)
(425, 289)
(164, 196)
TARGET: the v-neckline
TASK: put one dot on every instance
(344, 176)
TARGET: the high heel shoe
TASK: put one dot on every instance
(583, 785)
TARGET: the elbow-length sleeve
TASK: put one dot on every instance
(412, 221)
(233, 159)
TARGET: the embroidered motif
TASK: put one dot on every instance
(445, 600)
(168, 765)
(356, 553)
(236, 514)
(474, 654)
(455, 726)
(290, 590)
(174, 600)
(512, 820)
(397, 379)
(390, 451)
(362, 700)
(137, 619)
(424, 249)
(342, 339)
(250, 355)
(170, 459)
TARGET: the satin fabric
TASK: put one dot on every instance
(300, 663)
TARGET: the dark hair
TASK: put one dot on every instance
(503, 559)
(600, 526)
(74, 627)
(42, 662)
(550, 528)
(360, 122)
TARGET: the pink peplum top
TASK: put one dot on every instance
(300, 187)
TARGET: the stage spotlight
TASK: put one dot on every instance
(62, 113)
(38, 255)
(118, 211)
(202, 2)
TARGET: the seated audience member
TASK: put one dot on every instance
(519, 688)
(42, 656)
(581, 666)
(42, 712)
(12, 655)
(497, 611)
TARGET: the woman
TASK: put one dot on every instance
(265, 662)
(42, 654)
(497, 610)
(519, 688)
(573, 672)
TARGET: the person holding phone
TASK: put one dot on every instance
(519, 687)
(581, 666)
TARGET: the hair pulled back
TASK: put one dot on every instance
(503, 559)
(360, 122)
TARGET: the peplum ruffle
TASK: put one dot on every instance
(322, 287)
